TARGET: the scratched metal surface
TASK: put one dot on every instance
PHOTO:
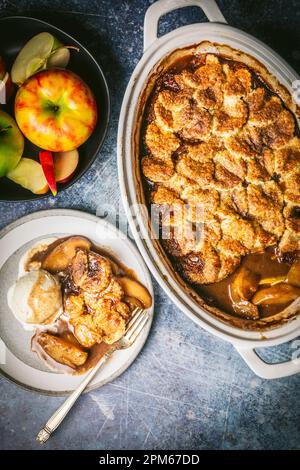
(187, 389)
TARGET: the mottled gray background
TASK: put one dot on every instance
(187, 389)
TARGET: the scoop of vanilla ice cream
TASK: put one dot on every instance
(35, 298)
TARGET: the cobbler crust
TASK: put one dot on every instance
(219, 138)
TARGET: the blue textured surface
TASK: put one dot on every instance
(187, 389)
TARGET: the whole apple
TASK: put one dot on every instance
(56, 110)
(11, 143)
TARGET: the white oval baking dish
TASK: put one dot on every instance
(155, 49)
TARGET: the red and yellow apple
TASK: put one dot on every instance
(11, 143)
(56, 110)
(6, 86)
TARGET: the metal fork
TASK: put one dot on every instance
(134, 328)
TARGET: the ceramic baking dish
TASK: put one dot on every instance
(218, 37)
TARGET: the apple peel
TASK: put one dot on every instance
(65, 164)
(46, 160)
(6, 89)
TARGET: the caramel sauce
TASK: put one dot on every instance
(40, 255)
(264, 264)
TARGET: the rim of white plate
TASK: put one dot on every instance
(34, 226)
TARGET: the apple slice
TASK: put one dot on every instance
(293, 276)
(29, 174)
(2, 68)
(59, 58)
(241, 289)
(6, 89)
(65, 164)
(42, 51)
(133, 288)
(61, 256)
(276, 294)
(32, 57)
(46, 160)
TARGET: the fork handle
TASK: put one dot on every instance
(64, 409)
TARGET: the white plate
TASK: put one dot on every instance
(23, 366)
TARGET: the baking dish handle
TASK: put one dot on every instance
(266, 370)
(161, 7)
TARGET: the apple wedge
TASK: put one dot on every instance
(65, 164)
(62, 351)
(6, 86)
(42, 51)
(241, 289)
(6, 89)
(46, 160)
(29, 174)
(276, 294)
(134, 289)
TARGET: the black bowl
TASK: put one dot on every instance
(15, 31)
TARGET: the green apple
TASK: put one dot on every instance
(11, 143)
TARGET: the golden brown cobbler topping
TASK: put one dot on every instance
(221, 139)
(97, 312)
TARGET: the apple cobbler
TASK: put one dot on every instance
(94, 297)
(214, 136)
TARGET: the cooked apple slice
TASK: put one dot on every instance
(61, 256)
(241, 290)
(65, 164)
(133, 288)
(116, 269)
(272, 280)
(29, 174)
(133, 302)
(274, 295)
(46, 160)
(61, 350)
(293, 276)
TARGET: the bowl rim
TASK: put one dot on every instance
(108, 114)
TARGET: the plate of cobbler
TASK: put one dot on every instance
(209, 145)
(69, 282)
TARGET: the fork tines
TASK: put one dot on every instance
(138, 320)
